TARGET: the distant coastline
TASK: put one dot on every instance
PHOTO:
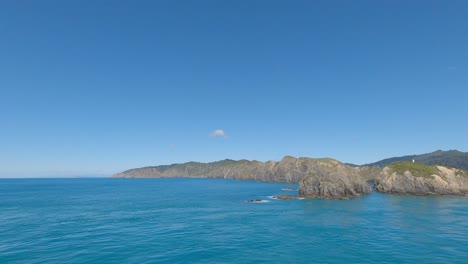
(426, 174)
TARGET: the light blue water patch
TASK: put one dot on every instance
(209, 221)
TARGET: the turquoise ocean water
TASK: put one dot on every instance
(208, 221)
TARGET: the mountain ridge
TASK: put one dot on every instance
(449, 158)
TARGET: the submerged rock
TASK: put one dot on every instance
(334, 180)
(286, 197)
(421, 179)
(257, 201)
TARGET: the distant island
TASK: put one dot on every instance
(427, 174)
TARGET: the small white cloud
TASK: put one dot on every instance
(218, 133)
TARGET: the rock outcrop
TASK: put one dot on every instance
(285, 197)
(421, 179)
(335, 180)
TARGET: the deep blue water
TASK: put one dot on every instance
(208, 221)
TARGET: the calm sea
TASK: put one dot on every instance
(208, 221)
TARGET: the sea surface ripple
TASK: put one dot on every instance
(209, 221)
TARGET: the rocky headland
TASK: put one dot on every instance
(335, 180)
(420, 179)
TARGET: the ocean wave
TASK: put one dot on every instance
(289, 189)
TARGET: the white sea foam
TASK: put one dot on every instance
(289, 189)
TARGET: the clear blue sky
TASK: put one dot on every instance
(96, 87)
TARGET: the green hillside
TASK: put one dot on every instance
(451, 158)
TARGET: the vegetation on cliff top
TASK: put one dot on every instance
(451, 158)
(415, 168)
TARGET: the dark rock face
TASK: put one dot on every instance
(438, 180)
(334, 181)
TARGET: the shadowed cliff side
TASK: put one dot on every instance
(336, 180)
